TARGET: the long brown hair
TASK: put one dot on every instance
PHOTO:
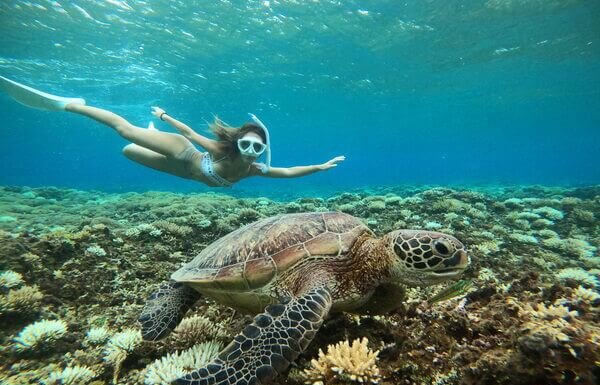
(228, 136)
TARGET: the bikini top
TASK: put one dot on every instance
(206, 165)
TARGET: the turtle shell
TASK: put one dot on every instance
(252, 256)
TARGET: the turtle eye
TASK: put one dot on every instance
(441, 248)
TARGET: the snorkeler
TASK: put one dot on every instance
(226, 160)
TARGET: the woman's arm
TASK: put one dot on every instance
(185, 130)
(293, 172)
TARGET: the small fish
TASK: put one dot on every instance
(458, 288)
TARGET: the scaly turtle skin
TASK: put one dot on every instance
(301, 267)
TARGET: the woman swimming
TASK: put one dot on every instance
(225, 161)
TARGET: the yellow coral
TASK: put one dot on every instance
(344, 363)
(585, 295)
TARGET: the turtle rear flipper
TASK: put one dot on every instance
(266, 347)
(165, 308)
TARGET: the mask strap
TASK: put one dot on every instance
(268, 150)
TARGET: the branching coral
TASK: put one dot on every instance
(586, 295)
(96, 251)
(173, 228)
(119, 347)
(247, 215)
(97, 335)
(172, 366)
(547, 326)
(71, 375)
(25, 300)
(40, 335)
(524, 238)
(542, 312)
(344, 363)
(549, 213)
(142, 228)
(573, 246)
(488, 246)
(10, 279)
(578, 275)
(581, 295)
(196, 329)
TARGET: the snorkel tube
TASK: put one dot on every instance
(264, 167)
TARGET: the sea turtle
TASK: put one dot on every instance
(301, 267)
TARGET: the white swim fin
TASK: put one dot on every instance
(151, 126)
(34, 98)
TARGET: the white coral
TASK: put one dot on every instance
(10, 279)
(96, 250)
(524, 238)
(118, 348)
(97, 335)
(549, 212)
(40, 334)
(193, 330)
(172, 366)
(71, 375)
(578, 275)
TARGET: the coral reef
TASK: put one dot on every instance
(76, 268)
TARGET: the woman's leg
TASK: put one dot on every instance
(167, 144)
(157, 161)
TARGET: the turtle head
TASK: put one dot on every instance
(423, 258)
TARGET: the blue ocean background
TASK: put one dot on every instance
(458, 93)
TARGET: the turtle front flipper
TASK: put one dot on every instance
(165, 308)
(266, 347)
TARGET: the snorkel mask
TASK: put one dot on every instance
(253, 149)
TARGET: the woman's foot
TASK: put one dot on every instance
(35, 98)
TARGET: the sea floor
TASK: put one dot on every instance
(77, 266)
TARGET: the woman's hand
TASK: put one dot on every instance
(157, 111)
(331, 163)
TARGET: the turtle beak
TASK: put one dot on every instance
(453, 266)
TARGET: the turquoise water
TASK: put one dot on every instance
(436, 92)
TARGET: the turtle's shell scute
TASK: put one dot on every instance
(251, 256)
